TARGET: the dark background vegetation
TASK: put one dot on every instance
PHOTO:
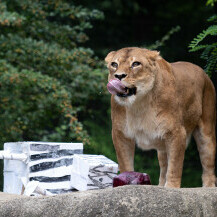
(52, 75)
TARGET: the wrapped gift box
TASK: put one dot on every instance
(47, 163)
(92, 172)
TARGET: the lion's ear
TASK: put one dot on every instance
(154, 55)
(110, 56)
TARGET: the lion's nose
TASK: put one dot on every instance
(120, 76)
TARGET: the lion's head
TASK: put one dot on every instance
(135, 68)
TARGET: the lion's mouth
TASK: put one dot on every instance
(128, 92)
(116, 87)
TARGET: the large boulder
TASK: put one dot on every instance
(121, 201)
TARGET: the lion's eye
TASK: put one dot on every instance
(115, 65)
(135, 64)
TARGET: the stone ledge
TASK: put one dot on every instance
(122, 201)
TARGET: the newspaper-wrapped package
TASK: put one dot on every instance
(48, 163)
(92, 172)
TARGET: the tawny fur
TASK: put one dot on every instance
(173, 102)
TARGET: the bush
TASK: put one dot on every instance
(46, 77)
(35, 107)
(48, 81)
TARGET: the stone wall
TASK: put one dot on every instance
(122, 201)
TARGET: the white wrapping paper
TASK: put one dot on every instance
(47, 163)
(92, 172)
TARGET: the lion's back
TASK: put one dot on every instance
(191, 83)
(190, 78)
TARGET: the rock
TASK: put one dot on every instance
(133, 200)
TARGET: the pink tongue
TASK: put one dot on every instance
(115, 86)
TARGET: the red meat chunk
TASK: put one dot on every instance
(131, 178)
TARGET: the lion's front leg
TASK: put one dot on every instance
(162, 158)
(176, 144)
(124, 146)
(125, 149)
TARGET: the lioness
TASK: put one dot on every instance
(164, 104)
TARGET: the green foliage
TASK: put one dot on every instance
(47, 78)
(211, 2)
(9, 18)
(209, 53)
(75, 68)
(30, 101)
